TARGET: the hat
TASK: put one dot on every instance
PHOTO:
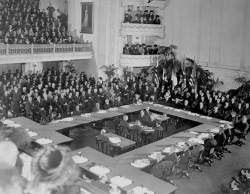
(54, 166)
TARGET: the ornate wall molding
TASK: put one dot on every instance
(155, 3)
(137, 60)
(142, 29)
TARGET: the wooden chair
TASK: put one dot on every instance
(101, 144)
(113, 150)
(184, 163)
(159, 135)
(117, 126)
(196, 154)
(164, 170)
(136, 137)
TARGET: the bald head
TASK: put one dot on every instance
(8, 153)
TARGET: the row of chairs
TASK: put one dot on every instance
(189, 159)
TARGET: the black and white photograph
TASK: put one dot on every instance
(124, 96)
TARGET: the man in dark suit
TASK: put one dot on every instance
(106, 106)
(92, 80)
(118, 102)
(16, 102)
(125, 125)
(153, 137)
(5, 103)
(151, 121)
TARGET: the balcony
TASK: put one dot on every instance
(155, 3)
(138, 60)
(142, 29)
(23, 53)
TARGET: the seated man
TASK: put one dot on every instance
(240, 130)
(163, 169)
(106, 105)
(137, 99)
(151, 122)
(209, 146)
(154, 136)
(147, 113)
(96, 107)
(142, 118)
(77, 111)
(125, 126)
(118, 102)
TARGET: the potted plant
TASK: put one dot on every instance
(109, 70)
(70, 67)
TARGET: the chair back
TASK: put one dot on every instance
(163, 169)
(159, 134)
(185, 160)
(113, 150)
(101, 145)
(117, 126)
(196, 153)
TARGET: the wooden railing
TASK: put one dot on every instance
(36, 49)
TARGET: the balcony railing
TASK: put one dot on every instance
(19, 49)
(142, 29)
(155, 3)
(43, 52)
(138, 60)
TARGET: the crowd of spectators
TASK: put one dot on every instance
(22, 22)
(140, 49)
(147, 17)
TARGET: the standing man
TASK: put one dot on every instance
(51, 10)
(16, 102)
(5, 103)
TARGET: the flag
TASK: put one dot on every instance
(174, 79)
(194, 78)
(163, 74)
(156, 72)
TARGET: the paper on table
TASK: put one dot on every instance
(196, 140)
(121, 181)
(68, 119)
(102, 111)
(141, 163)
(181, 144)
(56, 121)
(32, 133)
(215, 130)
(203, 136)
(126, 106)
(99, 170)
(7, 121)
(15, 125)
(171, 150)
(142, 190)
(86, 115)
(153, 155)
(44, 141)
(79, 159)
(115, 139)
(113, 109)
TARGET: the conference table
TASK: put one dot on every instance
(124, 144)
(121, 165)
